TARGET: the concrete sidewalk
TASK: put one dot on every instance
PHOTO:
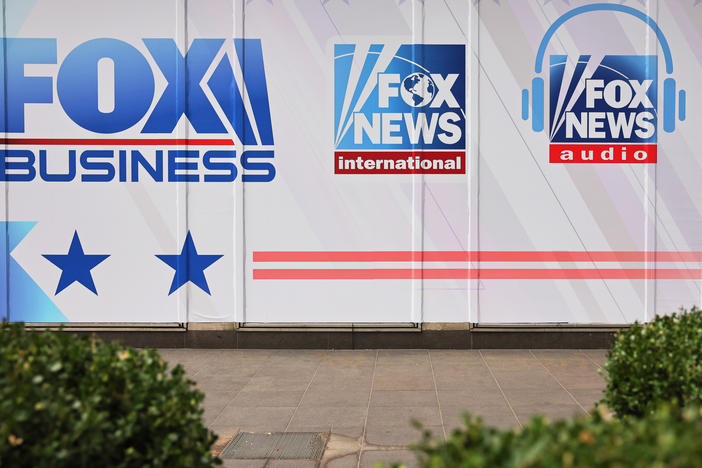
(366, 399)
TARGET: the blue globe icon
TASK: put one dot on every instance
(417, 89)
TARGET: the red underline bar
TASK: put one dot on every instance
(475, 273)
(482, 256)
(118, 141)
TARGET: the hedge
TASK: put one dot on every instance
(79, 402)
(655, 362)
(669, 436)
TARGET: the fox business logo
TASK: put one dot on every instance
(399, 110)
(604, 111)
(109, 87)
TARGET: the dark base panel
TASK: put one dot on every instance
(429, 339)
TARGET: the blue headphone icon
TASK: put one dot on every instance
(537, 84)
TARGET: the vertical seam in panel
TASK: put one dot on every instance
(472, 227)
(243, 185)
(187, 134)
(647, 185)
(418, 187)
(655, 205)
(655, 214)
(477, 178)
(7, 186)
(423, 187)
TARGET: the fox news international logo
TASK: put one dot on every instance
(603, 112)
(399, 110)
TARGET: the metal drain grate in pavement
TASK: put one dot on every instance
(282, 445)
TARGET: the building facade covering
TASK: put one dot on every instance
(338, 161)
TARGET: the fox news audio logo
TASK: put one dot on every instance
(399, 110)
(109, 87)
(608, 117)
(604, 110)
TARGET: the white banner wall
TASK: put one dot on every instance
(350, 161)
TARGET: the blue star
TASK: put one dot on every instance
(76, 266)
(189, 266)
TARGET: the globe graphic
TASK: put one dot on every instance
(417, 90)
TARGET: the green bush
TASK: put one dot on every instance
(655, 362)
(666, 437)
(78, 402)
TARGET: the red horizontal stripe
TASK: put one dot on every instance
(475, 256)
(118, 141)
(475, 273)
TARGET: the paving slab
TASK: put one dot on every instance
(244, 463)
(598, 356)
(403, 415)
(268, 398)
(403, 398)
(472, 398)
(252, 419)
(330, 415)
(338, 397)
(349, 461)
(368, 398)
(404, 382)
(291, 464)
(398, 435)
